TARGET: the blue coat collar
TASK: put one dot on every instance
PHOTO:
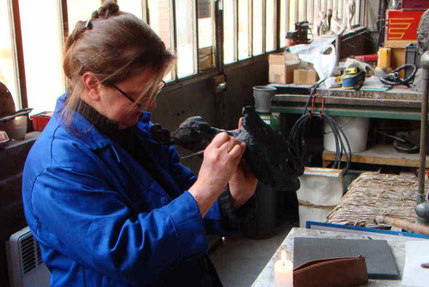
(85, 131)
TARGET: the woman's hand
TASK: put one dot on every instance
(221, 158)
(243, 183)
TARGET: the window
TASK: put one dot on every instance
(160, 15)
(31, 64)
(229, 31)
(132, 6)
(80, 10)
(7, 64)
(243, 29)
(42, 48)
(205, 34)
(258, 26)
(185, 30)
(271, 20)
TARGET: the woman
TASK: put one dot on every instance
(108, 204)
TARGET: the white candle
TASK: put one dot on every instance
(283, 272)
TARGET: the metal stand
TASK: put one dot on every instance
(422, 208)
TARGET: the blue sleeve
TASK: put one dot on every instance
(184, 178)
(78, 214)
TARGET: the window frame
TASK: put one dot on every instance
(217, 34)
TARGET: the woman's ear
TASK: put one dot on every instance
(92, 85)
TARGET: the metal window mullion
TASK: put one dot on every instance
(173, 36)
(145, 11)
(218, 24)
(63, 13)
(64, 18)
(18, 54)
(250, 31)
(277, 15)
(196, 38)
(264, 26)
(236, 27)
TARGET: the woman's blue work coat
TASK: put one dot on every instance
(101, 219)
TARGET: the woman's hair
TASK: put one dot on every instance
(114, 45)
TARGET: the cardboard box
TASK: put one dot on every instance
(280, 70)
(290, 57)
(305, 77)
(398, 59)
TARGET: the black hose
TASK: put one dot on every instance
(296, 135)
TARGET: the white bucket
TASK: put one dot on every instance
(355, 129)
(321, 190)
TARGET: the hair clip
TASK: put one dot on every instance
(88, 25)
(92, 57)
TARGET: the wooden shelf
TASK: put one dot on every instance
(379, 154)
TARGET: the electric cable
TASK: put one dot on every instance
(393, 78)
(296, 135)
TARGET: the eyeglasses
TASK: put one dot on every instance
(154, 94)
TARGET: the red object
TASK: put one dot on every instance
(41, 120)
(402, 25)
(4, 139)
(415, 4)
(367, 58)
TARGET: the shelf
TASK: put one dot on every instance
(379, 154)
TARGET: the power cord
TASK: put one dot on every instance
(296, 135)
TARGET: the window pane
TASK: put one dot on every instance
(283, 22)
(205, 34)
(271, 18)
(160, 21)
(7, 65)
(43, 59)
(80, 10)
(229, 28)
(257, 27)
(243, 29)
(131, 6)
(185, 38)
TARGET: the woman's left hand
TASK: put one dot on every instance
(242, 184)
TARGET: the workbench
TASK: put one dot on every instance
(398, 103)
(396, 244)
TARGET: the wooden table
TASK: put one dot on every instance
(396, 243)
(379, 154)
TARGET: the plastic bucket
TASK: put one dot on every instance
(355, 129)
(263, 96)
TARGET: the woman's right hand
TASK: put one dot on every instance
(221, 158)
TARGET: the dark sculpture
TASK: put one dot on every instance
(268, 155)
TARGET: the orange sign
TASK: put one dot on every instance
(402, 25)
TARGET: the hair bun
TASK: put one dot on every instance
(107, 10)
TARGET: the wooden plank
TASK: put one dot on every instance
(382, 155)
(397, 44)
